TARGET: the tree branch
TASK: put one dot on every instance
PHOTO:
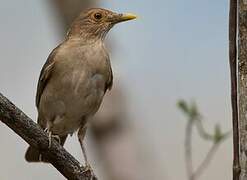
(22, 125)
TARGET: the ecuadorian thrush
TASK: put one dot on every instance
(75, 77)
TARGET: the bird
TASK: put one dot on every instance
(75, 78)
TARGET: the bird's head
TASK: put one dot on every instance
(95, 23)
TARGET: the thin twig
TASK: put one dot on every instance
(202, 132)
(206, 161)
(188, 153)
(233, 69)
(22, 125)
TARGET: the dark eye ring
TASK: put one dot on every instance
(97, 16)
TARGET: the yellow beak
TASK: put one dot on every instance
(126, 17)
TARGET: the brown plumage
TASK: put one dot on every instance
(75, 78)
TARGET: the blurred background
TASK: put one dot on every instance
(175, 49)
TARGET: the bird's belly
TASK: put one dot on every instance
(85, 95)
(63, 125)
(72, 103)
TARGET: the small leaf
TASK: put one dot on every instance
(218, 135)
(183, 106)
(194, 114)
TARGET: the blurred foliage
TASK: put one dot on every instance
(194, 116)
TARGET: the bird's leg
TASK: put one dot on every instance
(53, 136)
(50, 135)
(57, 138)
(84, 153)
(50, 138)
(47, 130)
(81, 135)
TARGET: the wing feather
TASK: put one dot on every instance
(45, 74)
(109, 82)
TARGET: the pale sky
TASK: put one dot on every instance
(175, 49)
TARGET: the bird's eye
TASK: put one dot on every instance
(97, 16)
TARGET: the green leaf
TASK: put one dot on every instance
(183, 106)
(193, 111)
(218, 135)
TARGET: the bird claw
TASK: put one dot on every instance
(57, 138)
(88, 169)
(51, 136)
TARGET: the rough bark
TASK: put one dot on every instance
(22, 125)
(242, 87)
(233, 71)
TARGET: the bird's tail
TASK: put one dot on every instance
(34, 155)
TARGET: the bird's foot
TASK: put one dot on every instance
(87, 168)
(47, 130)
(57, 138)
(89, 171)
(50, 139)
(50, 135)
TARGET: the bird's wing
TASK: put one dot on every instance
(45, 75)
(110, 80)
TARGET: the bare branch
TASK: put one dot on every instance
(22, 125)
(206, 161)
(188, 150)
